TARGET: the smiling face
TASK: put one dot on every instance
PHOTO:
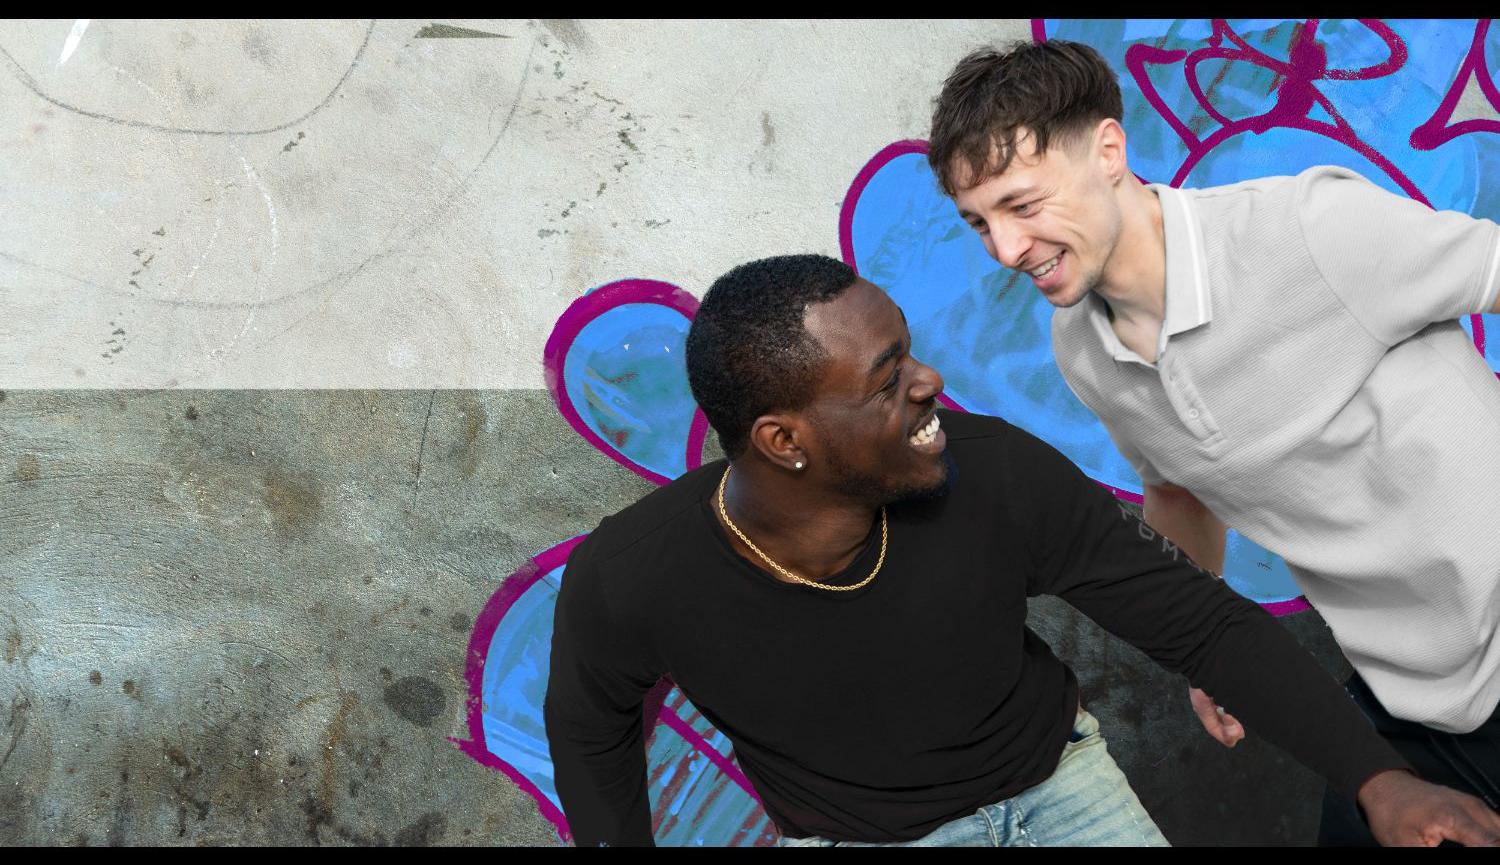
(874, 431)
(1053, 215)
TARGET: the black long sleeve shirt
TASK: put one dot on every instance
(881, 713)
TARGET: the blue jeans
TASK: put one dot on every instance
(1086, 803)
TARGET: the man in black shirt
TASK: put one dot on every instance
(845, 599)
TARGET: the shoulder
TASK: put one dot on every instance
(961, 426)
(1271, 187)
(975, 437)
(1332, 199)
(653, 524)
(1330, 180)
(977, 444)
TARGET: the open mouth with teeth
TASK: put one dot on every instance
(1047, 267)
(1046, 273)
(927, 434)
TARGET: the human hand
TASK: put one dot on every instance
(1219, 724)
(1405, 811)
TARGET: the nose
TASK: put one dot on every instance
(927, 383)
(1008, 247)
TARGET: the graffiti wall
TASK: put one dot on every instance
(1206, 103)
(323, 343)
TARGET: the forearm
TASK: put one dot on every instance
(1190, 525)
(601, 784)
(592, 712)
(1258, 672)
(1228, 646)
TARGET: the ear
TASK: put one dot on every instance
(778, 439)
(1109, 149)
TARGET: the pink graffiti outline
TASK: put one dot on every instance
(1436, 131)
(511, 589)
(572, 322)
(1296, 96)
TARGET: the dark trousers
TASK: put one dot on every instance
(1469, 762)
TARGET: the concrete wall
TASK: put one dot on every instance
(406, 203)
(234, 615)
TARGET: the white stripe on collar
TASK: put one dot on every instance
(1188, 303)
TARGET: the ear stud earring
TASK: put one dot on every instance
(799, 465)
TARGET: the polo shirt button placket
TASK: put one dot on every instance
(1184, 398)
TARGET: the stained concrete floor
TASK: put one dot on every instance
(240, 617)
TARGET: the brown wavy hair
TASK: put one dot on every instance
(1054, 91)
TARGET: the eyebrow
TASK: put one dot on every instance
(1005, 199)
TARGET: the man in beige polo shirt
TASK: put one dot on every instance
(1281, 356)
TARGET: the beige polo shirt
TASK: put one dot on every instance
(1314, 389)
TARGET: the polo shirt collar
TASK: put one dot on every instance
(1188, 304)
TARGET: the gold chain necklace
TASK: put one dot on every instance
(884, 534)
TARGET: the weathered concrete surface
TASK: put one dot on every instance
(245, 204)
(241, 617)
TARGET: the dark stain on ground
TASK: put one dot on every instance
(333, 741)
(767, 130)
(2, 396)
(13, 805)
(426, 611)
(294, 504)
(28, 468)
(191, 413)
(475, 420)
(427, 831)
(12, 646)
(460, 622)
(416, 699)
(17, 726)
(625, 140)
(95, 678)
(319, 815)
(385, 673)
(293, 142)
(131, 689)
(177, 757)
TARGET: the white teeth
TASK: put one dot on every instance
(1046, 268)
(926, 434)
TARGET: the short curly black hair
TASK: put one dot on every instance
(747, 351)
